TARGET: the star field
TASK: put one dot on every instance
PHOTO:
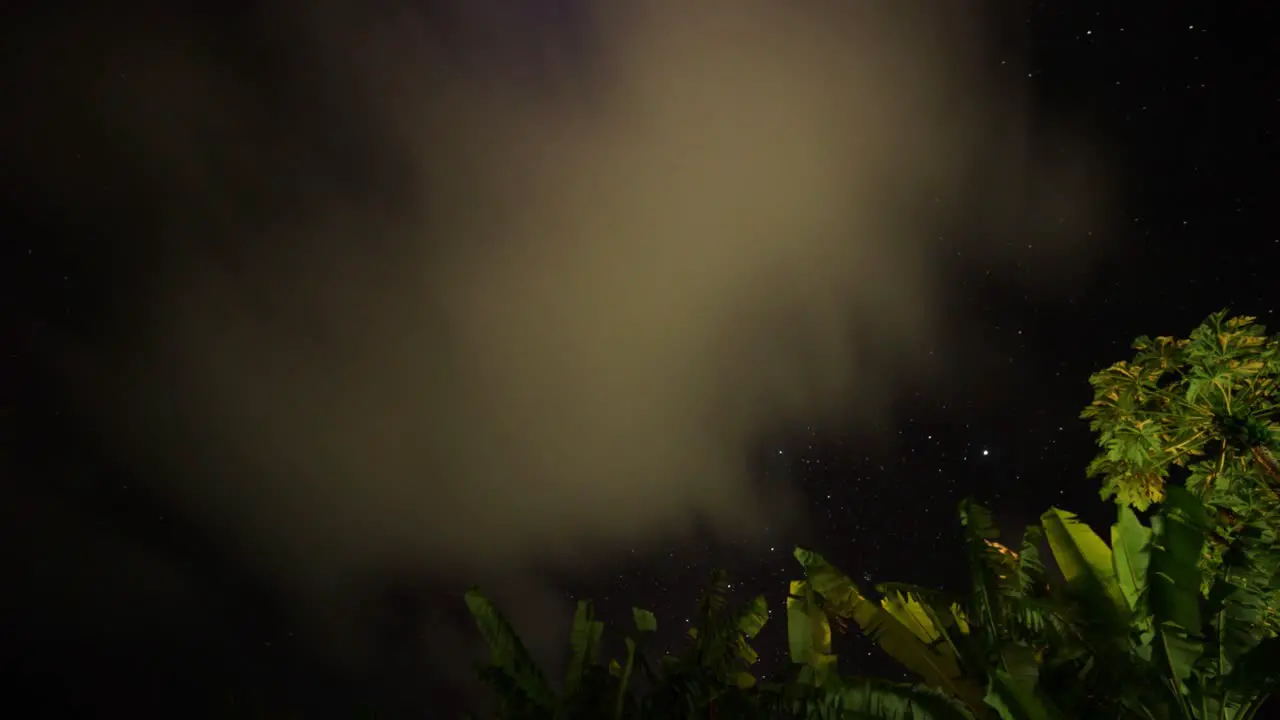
(1187, 103)
(1180, 94)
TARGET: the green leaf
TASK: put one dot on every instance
(809, 633)
(1031, 572)
(1175, 580)
(1178, 538)
(842, 598)
(752, 617)
(993, 568)
(508, 654)
(916, 616)
(645, 620)
(1086, 564)
(1130, 544)
(584, 646)
(1243, 590)
(624, 679)
(1016, 699)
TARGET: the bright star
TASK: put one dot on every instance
(986, 452)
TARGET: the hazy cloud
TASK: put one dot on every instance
(544, 315)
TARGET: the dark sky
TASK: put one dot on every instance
(319, 318)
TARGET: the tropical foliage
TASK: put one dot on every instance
(1120, 631)
(1114, 633)
(985, 650)
(1172, 617)
(711, 672)
(1198, 412)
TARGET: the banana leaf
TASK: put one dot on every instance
(508, 653)
(936, 665)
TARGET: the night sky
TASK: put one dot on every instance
(122, 595)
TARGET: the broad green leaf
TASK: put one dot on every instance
(808, 631)
(1176, 652)
(584, 646)
(645, 620)
(936, 666)
(1244, 588)
(1174, 576)
(508, 654)
(1130, 543)
(1175, 580)
(1085, 562)
(753, 616)
(908, 610)
(1017, 700)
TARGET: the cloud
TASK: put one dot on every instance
(421, 308)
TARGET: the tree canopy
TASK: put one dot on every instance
(1199, 412)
